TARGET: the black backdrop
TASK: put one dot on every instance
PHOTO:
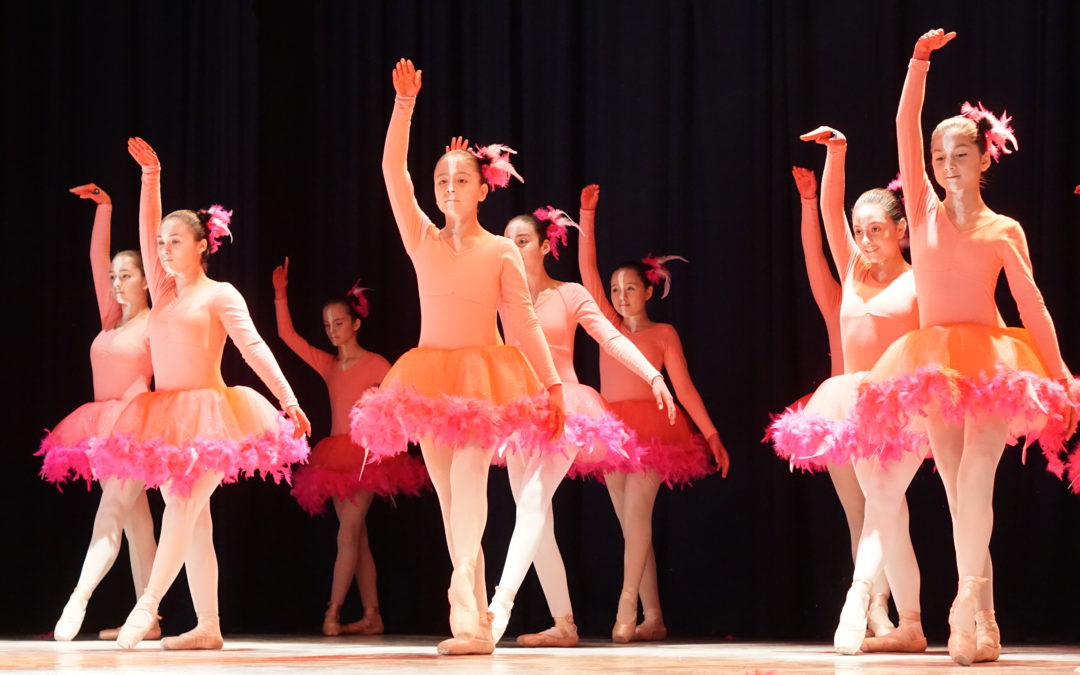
(687, 113)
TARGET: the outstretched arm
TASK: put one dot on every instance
(410, 220)
(149, 215)
(316, 358)
(108, 308)
(823, 286)
(675, 363)
(590, 274)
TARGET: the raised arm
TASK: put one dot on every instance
(841, 244)
(823, 286)
(108, 308)
(410, 220)
(919, 195)
(229, 307)
(675, 363)
(149, 215)
(590, 274)
(316, 358)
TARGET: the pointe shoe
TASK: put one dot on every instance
(987, 636)
(851, 630)
(652, 628)
(478, 643)
(906, 638)
(562, 634)
(371, 624)
(112, 633)
(962, 620)
(71, 618)
(464, 617)
(331, 623)
(201, 637)
(625, 618)
(877, 618)
(137, 626)
(501, 604)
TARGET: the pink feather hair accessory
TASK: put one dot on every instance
(217, 225)
(495, 165)
(558, 222)
(358, 299)
(1000, 133)
(1077, 190)
(895, 185)
(657, 271)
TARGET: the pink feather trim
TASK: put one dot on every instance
(495, 165)
(676, 464)
(403, 474)
(62, 463)
(1000, 133)
(895, 185)
(657, 270)
(558, 223)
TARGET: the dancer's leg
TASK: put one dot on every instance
(637, 494)
(201, 567)
(350, 522)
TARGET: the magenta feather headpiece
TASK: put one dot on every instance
(495, 166)
(657, 271)
(1000, 133)
(558, 222)
(217, 225)
(358, 299)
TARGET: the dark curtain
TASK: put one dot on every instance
(687, 115)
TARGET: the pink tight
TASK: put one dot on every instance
(633, 496)
(354, 557)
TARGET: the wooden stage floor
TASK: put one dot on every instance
(409, 654)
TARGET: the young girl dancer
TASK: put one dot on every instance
(336, 468)
(460, 393)
(120, 363)
(674, 453)
(192, 433)
(878, 306)
(595, 440)
(976, 385)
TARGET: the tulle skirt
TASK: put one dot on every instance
(815, 430)
(66, 449)
(675, 452)
(336, 469)
(961, 372)
(481, 396)
(599, 440)
(175, 437)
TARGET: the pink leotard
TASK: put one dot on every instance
(345, 386)
(460, 290)
(187, 334)
(119, 357)
(867, 326)
(956, 271)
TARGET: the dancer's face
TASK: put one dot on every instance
(128, 283)
(178, 250)
(339, 324)
(524, 235)
(958, 164)
(458, 185)
(629, 292)
(877, 236)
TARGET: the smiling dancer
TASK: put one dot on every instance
(461, 393)
(120, 363)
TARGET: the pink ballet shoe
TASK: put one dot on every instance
(987, 636)
(962, 620)
(478, 643)
(851, 630)
(331, 623)
(562, 634)
(136, 628)
(371, 624)
(625, 618)
(197, 638)
(112, 633)
(652, 628)
(464, 617)
(906, 638)
(71, 618)
(877, 617)
(501, 604)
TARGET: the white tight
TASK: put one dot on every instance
(353, 552)
(123, 507)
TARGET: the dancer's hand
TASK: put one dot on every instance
(719, 453)
(558, 411)
(458, 143)
(590, 195)
(407, 79)
(92, 192)
(805, 181)
(143, 153)
(663, 397)
(930, 41)
(825, 136)
(281, 278)
(301, 423)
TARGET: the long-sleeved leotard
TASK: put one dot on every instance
(825, 289)
(460, 352)
(229, 430)
(336, 466)
(120, 364)
(961, 360)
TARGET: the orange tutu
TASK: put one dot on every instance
(676, 452)
(470, 396)
(66, 449)
(814, 431)
(176, 436)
